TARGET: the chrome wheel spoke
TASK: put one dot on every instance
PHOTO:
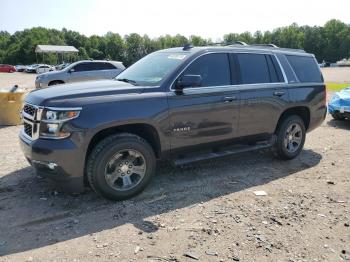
(290, 146)
(297, 140)
(296, 130)
(293, 138)
(127, 181)
(125, 169)
(111, 178)
(139, 170)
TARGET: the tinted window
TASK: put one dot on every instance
(305, 68)
(213, 68)
(254, 68)
(103, 66)
(108, 66)
(84, 67)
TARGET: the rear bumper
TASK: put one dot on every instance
(59, 160)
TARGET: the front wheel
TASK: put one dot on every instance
(290, 137)
(120, 166)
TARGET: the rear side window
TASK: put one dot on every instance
(254, 68)
(305, 68)
(213, 68)
(103, 66)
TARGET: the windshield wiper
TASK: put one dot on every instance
(133, 82)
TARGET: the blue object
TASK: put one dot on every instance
(340, 102)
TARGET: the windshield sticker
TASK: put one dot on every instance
(174, 56)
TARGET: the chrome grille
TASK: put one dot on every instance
(28, 129)
(29, 109)
(31, 115)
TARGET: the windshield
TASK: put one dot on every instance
(152, 69)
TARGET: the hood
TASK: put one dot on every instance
(48, 74)
(80, 93)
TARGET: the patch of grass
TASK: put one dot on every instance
(336, 86)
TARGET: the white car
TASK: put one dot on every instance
(44, 68)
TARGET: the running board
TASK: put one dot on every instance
(227, 152)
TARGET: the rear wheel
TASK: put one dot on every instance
(290, 137)
(120, 166)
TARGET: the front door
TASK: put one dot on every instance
(84, 71)
(208, 113)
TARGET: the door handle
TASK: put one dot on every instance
(229, 99)
(279, 93)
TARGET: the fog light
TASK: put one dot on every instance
(52, 165)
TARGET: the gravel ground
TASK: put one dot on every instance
(205, 210)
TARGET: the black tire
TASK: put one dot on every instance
(105, 152)
(285, 144)
(52, 83)
(338, 116)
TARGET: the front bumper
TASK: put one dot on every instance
(60, 160)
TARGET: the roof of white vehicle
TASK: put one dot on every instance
(55, 49)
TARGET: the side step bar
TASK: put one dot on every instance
(231, 151)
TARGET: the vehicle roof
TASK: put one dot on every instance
(100, 61)
(238, 48)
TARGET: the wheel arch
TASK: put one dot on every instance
(302, 111)
(143, 130)
(58, 81)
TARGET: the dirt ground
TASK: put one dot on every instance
(336, 75)
(206, 210)
(23, 80)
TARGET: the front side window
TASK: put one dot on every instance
(213, 68)
(152, 69)
(254, 68)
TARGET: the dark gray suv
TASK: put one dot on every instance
(182, 104)
(81, 71)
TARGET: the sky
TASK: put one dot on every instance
(209, 19)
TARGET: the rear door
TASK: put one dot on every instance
(263, 93)
(206, 114)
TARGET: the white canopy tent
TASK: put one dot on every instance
(56, 49)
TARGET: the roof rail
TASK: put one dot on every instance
(238, 43)
(245, 45)
(266, 45)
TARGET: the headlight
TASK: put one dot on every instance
(50, 115)
(52, 122)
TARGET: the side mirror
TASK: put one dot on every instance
(188, 81)
(72, 70)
